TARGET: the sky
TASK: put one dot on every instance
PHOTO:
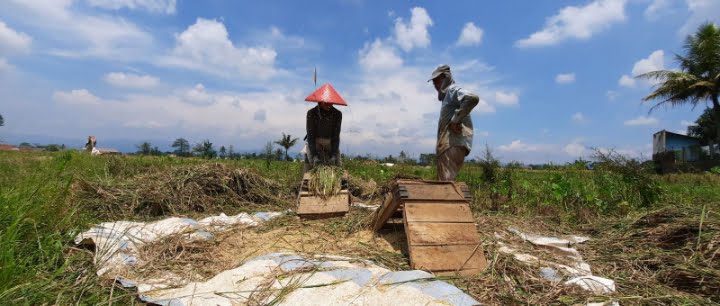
(555, 78)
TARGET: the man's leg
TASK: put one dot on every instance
(450, 162)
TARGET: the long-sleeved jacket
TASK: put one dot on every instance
(456, 107)
(323, 124)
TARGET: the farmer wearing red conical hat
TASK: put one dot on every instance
(323, 128)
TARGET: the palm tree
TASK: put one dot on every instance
(2, 121)
(698, 79)
(286, 142)
(182, 147)
(205, 149)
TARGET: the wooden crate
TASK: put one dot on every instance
(315, 207)
(441, 232)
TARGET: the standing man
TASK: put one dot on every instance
(455, 127)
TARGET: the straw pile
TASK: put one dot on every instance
(179, 191)
(670, 251)
(325, 181)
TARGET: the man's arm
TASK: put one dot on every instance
(310, 127)
(468, 101)
(336, 133)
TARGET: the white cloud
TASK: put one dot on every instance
(131, 80)
(483, 107)
(278, 38)
(506, 98)
(565, 78)
(701, 11)
(612, 95)
(4, 65)
(483, 133)
(578, 117)
(686, 123)
(471, 35)
(260, 115)
(655, 61)
(573, 22)
(78, 34)
(641, 120)
(519, 146)
(626, 81)
(413, 34)
(155, 6)
(197, 111)
(205, 46)
(12, 41)
(575, 149)
(633, 152)
(145, 124)
(76, 97)
(657, 8)
(378, 55)
(197, 95)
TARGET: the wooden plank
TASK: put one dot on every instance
(447, 258)
(420, 233)
(317, 205)
(465, 272)
(438, 212)
(385, 211)
(432, 192)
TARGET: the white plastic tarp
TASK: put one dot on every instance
(290, 279)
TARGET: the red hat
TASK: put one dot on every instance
(326, 94)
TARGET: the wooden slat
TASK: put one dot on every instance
(317, 205)
(433, 192)
(441, 233)
(447, 258)
(386, 211)
(438, 212)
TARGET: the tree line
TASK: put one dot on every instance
(206, 149)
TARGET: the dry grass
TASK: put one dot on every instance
(199, 261)
(663, 257)
(205, 188)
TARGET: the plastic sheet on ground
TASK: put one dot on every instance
(276, 278)
(289, 279)
(117, 243)
(578, 272)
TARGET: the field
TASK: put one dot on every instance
(658, 237)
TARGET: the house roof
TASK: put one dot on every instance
(7, 147)
(677, 135)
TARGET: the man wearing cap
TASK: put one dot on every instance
(455, 127)
(323, 135)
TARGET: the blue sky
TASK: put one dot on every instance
(554, 77)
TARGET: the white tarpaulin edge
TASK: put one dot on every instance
(117, 243)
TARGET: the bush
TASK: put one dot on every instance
(715, 170)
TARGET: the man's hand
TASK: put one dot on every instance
(456, 128)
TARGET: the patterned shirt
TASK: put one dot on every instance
(456, 107)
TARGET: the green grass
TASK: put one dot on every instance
(39, 216)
